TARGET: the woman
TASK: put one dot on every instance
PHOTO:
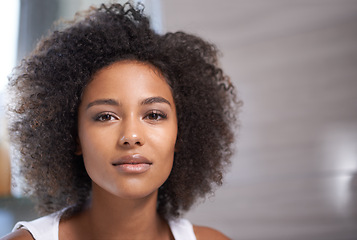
(120, 129)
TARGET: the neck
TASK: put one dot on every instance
(110, 217)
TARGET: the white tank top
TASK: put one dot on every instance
(46, 228)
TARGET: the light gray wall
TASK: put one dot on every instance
(295, 66)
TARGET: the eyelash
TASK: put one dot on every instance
(100, 116)
(152, 115)
(159, 115)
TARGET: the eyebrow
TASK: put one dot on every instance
(111, 102)
(151, 100)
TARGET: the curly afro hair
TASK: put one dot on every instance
(47, 86)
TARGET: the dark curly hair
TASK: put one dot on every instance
(47, 86)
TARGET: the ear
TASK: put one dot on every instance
(78, 151)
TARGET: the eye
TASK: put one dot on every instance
(156, 115)
(103, 117)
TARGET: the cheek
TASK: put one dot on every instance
(164, 143)
(96, 155)
(94, 143)
(165, 138)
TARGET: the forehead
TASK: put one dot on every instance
(130, 64)
(127, 78)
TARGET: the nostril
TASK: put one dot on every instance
(132, 141)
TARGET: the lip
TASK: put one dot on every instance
(132, 164)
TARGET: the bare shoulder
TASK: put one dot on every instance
(206, 233)
(20, 234)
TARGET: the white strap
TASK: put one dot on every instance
(44, 228)
(182, 229)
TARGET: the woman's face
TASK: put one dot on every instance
(127, 129)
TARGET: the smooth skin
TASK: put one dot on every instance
(127, 112)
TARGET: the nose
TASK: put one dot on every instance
(130, 141)
(131, 134)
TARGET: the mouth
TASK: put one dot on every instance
(132, 164)
(132, 159)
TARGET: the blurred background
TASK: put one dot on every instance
(294, 63)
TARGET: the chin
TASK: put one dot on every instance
(137, 195)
